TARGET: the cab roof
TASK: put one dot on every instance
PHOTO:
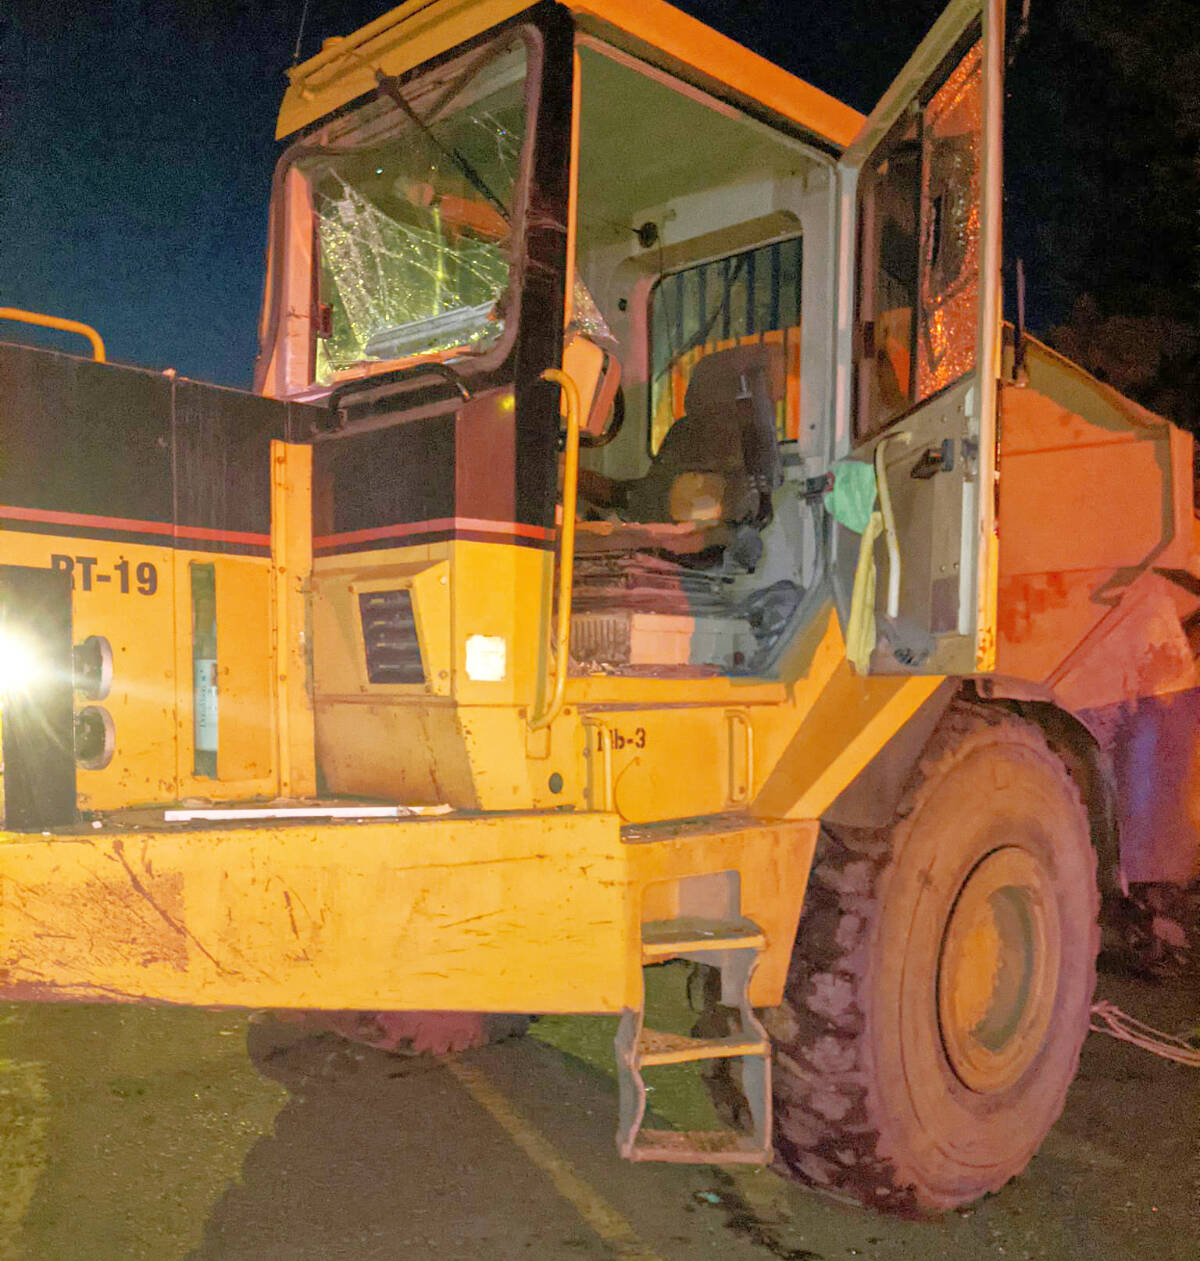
(419, 30)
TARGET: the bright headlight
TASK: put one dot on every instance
(22, 665)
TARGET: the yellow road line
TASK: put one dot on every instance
(589, 1204)
(24, 1109)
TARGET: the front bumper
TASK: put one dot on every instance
(513, 912)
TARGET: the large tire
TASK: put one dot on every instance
(940, 988)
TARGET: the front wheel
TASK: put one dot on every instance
(940, 988)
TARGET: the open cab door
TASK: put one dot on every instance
(919, 351)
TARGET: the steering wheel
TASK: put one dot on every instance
(610, 431)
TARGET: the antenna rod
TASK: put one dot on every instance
(300, 33)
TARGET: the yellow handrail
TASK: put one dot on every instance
(54, 321)
(566, 549)
(891, 537)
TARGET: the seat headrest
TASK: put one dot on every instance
(725, 376)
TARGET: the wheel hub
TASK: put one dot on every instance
(997, 970)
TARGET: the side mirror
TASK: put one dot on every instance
(602, 401)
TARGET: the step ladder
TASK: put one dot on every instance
(732, 946)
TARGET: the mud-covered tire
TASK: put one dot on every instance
(940, 988)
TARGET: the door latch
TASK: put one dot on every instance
(934, 460)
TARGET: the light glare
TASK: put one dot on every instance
(22, 666)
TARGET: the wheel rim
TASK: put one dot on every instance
(997, 970)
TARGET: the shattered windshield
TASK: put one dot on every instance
(412, 212)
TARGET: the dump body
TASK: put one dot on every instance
(1097, 593)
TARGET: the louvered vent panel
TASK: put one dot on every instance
(390, 635)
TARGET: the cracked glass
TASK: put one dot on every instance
(412, 215)
(920, 238)
(951, 200)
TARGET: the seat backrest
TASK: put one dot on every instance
(726, 378)
(720, 461)
(729, 421)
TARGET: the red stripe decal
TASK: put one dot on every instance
(474, 524)
(165, 528)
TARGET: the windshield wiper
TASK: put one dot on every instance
(390, 86)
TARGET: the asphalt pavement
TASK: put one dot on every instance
(140, 1132)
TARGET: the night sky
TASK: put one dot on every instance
(138, 145)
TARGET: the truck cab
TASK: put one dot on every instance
(578, 192)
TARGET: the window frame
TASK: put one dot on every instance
(282, 288)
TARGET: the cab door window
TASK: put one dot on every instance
(920, 234)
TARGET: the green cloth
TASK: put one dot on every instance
(851, 498)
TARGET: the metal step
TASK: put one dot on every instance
(674, 938)
(732, 946)
(700, 1147)
(656, 1048)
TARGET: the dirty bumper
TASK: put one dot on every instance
(503, 913)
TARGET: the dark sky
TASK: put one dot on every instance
(137, 143)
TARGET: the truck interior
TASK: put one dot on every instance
(701, 528)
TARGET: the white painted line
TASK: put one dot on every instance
(291, 812)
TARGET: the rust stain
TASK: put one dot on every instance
(287, 901)
(1023, 599)
(29, 991)
(1158, 664)
(177, 888)
(89, 926)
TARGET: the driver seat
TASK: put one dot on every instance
(718, 464)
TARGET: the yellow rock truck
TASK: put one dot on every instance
(643, 531)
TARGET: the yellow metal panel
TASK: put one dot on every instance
(852, 720)
(405, 37)
(411, 752)
(610, 689)
(1061, 555)
(1059, 521)
(418, 31)
(518, 913)
(141, 629)
(772, 862)
(1139, 649)
(651, 764)
(400, 741)
(245, 744)
(723, 65)
(521, 912)
(510, 775)
(500, 591)
(794, 749)
(291, 570)
(339, 662)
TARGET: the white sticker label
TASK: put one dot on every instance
(206, 705)
(487, 658)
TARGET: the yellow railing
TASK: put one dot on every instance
(566, 551)
(54, 321)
